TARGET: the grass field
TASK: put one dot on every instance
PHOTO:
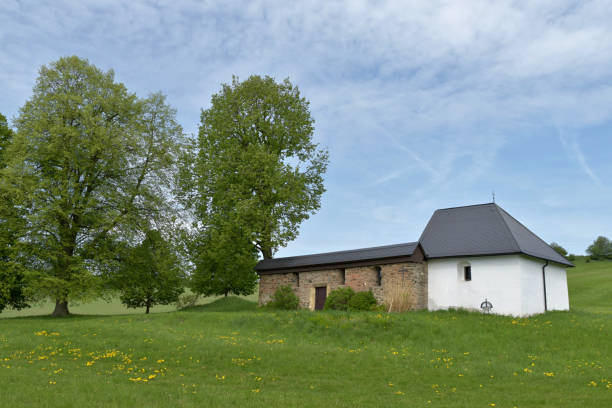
(102, 307)
(229, 353)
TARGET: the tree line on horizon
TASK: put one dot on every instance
(101, 192)
(600, 249)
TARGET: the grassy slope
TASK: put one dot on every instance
(229, 353)
(590, 286)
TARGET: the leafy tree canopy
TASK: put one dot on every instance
(6, 135)
(601, 248)
(149, 274)
(559, 249)
(90, 165)
(12, 278)
(257, 162)
(224, 262)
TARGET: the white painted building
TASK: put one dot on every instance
(481, 253)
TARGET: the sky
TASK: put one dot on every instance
(421, 104)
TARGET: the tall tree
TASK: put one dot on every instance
(257, 162)
(149, 273)
(601, 248)
(90, 166)
(12, 277)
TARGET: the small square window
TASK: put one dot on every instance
(467, 273)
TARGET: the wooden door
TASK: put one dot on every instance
(320, 296)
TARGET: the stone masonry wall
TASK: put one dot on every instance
(269, 283)
(330, 278)
(410, 275)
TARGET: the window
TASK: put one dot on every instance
(342, 276)
(464, 271)
(467, 273)
(378, 276)
(297, 279)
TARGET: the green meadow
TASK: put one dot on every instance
(227, 352)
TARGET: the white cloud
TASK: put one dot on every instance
(572, 147)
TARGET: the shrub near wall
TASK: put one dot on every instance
(339, 299)
(347, 299)
(362, 301)
(284, 298)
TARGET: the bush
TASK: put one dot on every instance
(571, 257)
(339, 299)
(187, 300)
(284, 298)
(362, 301)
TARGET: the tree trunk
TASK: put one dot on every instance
(264, 244)
(267, 253)
(148, 305)
(225, 293)
(61, 308)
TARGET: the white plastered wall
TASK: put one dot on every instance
(556, 287)
(495, 278)
(533, 286)
(512, 283)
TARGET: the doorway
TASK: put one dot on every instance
(320, 296)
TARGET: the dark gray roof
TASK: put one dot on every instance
(484, 229)
(353, 255)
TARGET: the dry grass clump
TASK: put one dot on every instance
(400, 299)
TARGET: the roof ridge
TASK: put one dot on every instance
(464, 206)
(346, 251)
(497, 208)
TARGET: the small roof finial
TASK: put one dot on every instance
(493, 194)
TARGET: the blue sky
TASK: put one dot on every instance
(422, 105)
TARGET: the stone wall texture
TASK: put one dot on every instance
(406, 276)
